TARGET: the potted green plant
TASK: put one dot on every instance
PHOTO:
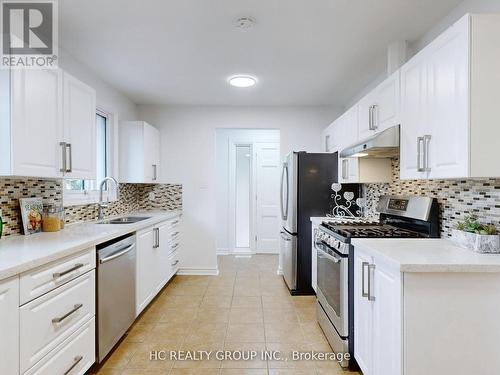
(472, 235)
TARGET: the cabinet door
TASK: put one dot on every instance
(314, 259)
(364, 109)
(348, 170)
(387, 321)
(414, 101)
(9, 326)
(363, 314)
(163, 252)
(36, 122)
(145, 270)
(387, 103)
(151, 153)
(80, 128)
(448, 86)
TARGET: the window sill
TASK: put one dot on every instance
(78, 198)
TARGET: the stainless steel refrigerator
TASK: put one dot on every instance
(306, 181)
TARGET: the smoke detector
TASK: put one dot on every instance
(245, 23)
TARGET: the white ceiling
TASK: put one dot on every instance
(319, 52)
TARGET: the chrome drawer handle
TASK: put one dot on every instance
(175, 246)
(56, 275)
(75, 309)
(174, 223)
(76, 360)
(175, 263)
(175, 234)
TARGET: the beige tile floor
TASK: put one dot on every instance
(246, 307)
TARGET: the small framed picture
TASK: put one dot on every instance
(31, 214)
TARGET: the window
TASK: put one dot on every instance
(87, 191)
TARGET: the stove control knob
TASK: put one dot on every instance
(337, 244)
(332, 242)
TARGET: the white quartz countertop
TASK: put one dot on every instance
(428, 255)
(22, 253)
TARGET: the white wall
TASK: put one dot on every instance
(108, 97)
(222, 174)
(188, 157)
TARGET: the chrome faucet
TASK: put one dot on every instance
(101, 188)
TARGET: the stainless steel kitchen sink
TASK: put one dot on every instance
(124, 220)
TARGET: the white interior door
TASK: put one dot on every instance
(267, 187)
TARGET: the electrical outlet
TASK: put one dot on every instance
(151, 196)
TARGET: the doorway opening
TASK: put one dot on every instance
(247, 204)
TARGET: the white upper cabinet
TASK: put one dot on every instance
(449, 103)
(48, 130)
(32, 133)
(379, 109)
(80, 128)
(139, 152)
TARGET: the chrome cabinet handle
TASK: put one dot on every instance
(156, 235)
(364, 265)
(155, 172)
(175, 263)
(56, 275)
(374, 117)
(345, 169)
(427, 139)
(76, 361)
(70, 150)
(370, 117)
(117, 254)
(420, 143)
(371, 297)
(173, 223)
(76, 307)
(64, 157)
(175, 234)
(175, 246)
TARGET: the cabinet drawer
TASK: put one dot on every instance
(174, 260)
(41, 280)
(73, 356)
(53, 317)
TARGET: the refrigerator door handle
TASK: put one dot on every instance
(284, 209)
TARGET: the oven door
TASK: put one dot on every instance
(333, 286)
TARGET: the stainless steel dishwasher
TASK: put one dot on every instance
(115, 291)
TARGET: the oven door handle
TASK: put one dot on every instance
(333, 258)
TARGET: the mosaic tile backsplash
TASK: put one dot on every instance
(133, 197)
(456, 198)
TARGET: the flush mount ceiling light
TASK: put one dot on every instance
(245, 23)
(242, 81)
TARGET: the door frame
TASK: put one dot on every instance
(233, 144)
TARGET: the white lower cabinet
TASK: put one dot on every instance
(377, 316)
(73, 356)
(314, 259)
(9, 326)
(157, 260)
(50, 319)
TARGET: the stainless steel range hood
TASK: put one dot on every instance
(382, 145)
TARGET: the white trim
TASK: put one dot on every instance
(279, 272)
(223, 251)
(198, 271)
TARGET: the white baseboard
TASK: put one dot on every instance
(198, 271)
(223, 251)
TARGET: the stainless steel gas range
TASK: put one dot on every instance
(400, 217)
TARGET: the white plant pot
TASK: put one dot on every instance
(479, 243)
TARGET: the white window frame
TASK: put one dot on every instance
(82, 197)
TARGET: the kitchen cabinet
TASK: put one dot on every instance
(49, 128)
(157, 260)
(330, 138)
(9, 326)
(449, 103)
(139, 153)
(314, 257)
(364, 170)
(80, 128)
(380, 109)
(377, 315)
